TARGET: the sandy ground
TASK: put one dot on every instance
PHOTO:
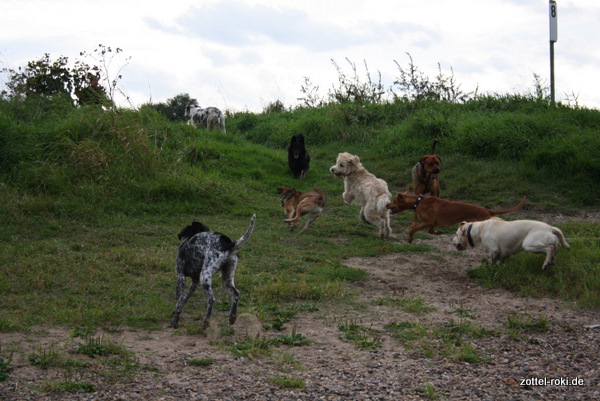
(331, 368)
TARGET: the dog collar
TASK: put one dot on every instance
(469, 238)
(419, 199)
(284, 198)
(417, 177)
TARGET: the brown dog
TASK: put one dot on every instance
(437, 212)
(297, 204)
(425, 173)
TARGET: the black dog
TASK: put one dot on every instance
(298, 157)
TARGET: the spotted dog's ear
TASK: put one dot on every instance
(199, 227)
(226, 243)
(192, 229)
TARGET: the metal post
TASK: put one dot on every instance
(552, 96)
(553, 38)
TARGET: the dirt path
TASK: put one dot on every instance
(507, 366)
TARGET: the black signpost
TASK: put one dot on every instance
(553, 38)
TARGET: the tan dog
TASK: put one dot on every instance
(502, 239)
(363, 189)
(426, 173)
(296, 204)
(437, 212)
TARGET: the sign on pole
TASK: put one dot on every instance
(553, 21)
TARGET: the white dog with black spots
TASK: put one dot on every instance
(201, 255)
(208, 118)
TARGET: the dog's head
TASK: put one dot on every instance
(460, 240)
(190, 110)
(346, 164)
(297, 147)
(285, 193)
(430, 163)
(192, 229)
(400, 203)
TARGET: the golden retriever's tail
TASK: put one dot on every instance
(556, 231)
(512, 209)
(322, 193)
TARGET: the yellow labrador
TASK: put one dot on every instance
(505, 238)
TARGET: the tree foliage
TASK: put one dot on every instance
(80, 82)
(174, 108)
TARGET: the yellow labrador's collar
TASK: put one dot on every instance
(469, 238)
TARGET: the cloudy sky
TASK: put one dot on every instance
(244, 54)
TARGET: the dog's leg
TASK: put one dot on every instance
(292, 219)
(547, 244)
(549, 250)
(416, 229)
(227, 273)
(415, 221)
(182, 300)
(386, 225)
(362, 216)
(550, 254)
(206, 280)
(294, 216)
(496, 256)
(309, 220)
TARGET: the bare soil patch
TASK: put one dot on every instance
(334, 369)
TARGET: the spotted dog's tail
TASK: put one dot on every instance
(245, 237)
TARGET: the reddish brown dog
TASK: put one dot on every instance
(437, 212)
(296, 204)
(426, 173)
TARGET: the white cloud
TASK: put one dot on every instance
(245, 54)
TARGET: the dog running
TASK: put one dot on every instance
(363, 189)
(208, 118)
(502, 239)
(436, 212)
(201, 255)
(296, 204)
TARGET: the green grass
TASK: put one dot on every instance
(200, 362)
(288, 382)
(452, 339)
(364, 338)
(92, 201)
(574, 277)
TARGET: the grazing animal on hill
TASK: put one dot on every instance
(208, 118)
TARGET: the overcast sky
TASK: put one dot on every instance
(244, 54)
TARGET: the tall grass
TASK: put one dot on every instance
(91, 201)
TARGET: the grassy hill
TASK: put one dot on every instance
(91, 200)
